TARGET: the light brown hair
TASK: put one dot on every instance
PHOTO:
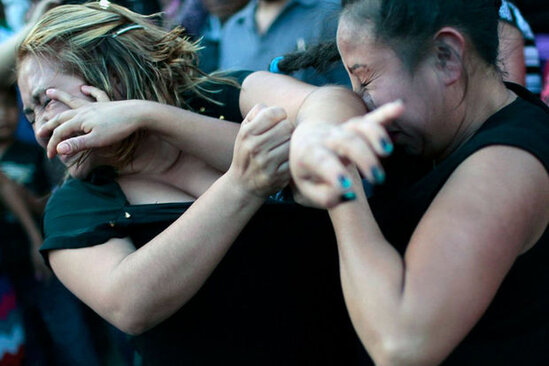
(146, 62)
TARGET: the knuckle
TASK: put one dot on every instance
(273, 113)
(325, 200)
(287, 127)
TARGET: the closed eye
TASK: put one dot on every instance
(29, 115)
(47, 101)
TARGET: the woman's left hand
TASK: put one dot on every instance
(260, 159)
(88, 124)
(321, 155)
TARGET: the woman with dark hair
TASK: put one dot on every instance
(447, 261)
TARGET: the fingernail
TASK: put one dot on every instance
(345, 182)
(387, 146)
(49, 91)
(63, 148)
(379, 175)
(349, 196)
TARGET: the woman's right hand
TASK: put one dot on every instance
(260, 160)
(88, 124)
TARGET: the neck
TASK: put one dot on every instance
(266, 13)
(154, 157)
(485, 96)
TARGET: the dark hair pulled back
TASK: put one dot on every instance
(408, 28)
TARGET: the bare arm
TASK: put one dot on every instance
(110, 277)
(274, 90)
(8, 52)
(8, 49)
(209, 139)
(10, 196)
(484, 217)
(105, 123)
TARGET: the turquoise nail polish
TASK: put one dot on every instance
(379, 175)
(345, 182)
(349, 196)
(387, 146)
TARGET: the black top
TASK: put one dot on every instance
(515, 328)
(275, 298)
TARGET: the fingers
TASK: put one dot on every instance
(280, 133)
(364, 139)
(372, 126)
(253, 113)
(66, 98)
(74, 145)
(96, 93)
(372, 133)
(264, 118)
(63, 140)
(352, 147)
(321, 176)
(385, 114)
(46, 129)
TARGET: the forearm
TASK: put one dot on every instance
(372, 276)
(270, 89)
(179, 260)
(331, 105)
(397, 321)
(10, 196)
(209, 139)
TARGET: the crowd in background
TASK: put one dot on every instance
(41, 322)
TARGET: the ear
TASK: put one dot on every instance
(449, 51)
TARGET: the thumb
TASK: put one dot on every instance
(254, 112)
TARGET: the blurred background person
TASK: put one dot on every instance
(57, 332)
(519, 57)
(265, 29)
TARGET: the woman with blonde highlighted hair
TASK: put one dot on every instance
(143, 231)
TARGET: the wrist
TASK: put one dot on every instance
(238, 189)
(143, 114)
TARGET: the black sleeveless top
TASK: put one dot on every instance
(515, 328)
(276, 299)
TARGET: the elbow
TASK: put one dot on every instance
(128, 315)
(130, 321)
(403, 351)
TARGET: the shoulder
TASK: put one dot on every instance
(79, 213)
(226, 96)
(496, 201)
(524, 124)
